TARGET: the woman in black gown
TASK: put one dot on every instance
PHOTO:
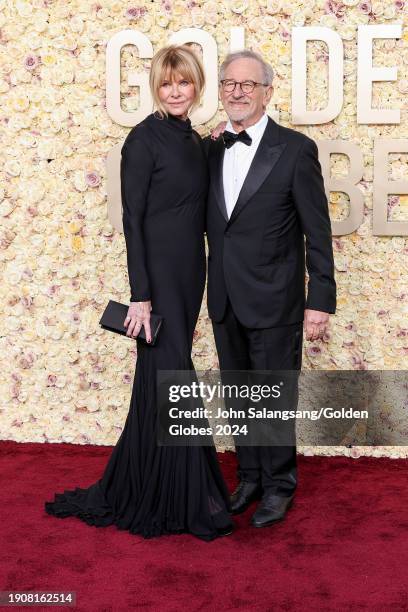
(145, 488)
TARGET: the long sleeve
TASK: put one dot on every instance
(312, 207)
(136, 168)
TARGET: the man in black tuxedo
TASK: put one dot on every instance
(267, 217)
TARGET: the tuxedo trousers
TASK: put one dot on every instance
(274, 348)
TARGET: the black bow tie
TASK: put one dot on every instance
(230, 138)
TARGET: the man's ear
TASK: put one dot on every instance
(268, 94)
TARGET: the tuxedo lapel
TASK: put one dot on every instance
(267, 154)
(216, 162)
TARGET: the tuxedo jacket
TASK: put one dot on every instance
(280, 223)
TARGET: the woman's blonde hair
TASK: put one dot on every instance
(179, 59)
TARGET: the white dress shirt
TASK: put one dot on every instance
(237, 160)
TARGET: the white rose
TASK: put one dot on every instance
(76, 24)
(329, 21)
(12, 167)
(40, 25)
(273, 6)
(80, 181)
(357, 17)
(87, 57)
(239, 6)
(377, 8)
(24, 9)
(347, 32)
(269, 23)
(20, 103)
(390, 12)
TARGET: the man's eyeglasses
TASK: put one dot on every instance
(247, 87)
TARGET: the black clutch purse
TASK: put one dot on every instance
(114, 315)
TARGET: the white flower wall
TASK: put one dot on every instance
(63, 378)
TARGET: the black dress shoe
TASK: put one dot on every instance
(244, 495)
(271, 509)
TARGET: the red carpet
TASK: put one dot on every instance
(343, 545)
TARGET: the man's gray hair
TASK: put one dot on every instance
(247, 53)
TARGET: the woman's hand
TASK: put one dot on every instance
(138, 315)
(218, 130)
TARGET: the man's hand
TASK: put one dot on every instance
(138, 315)
(218, 130)
(315, 324)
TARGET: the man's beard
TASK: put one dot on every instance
(238, 114)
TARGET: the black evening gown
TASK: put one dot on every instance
(149, 489)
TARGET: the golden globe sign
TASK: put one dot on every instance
(366, 75)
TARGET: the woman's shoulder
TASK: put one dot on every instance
(141, 131)
(197, 134)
